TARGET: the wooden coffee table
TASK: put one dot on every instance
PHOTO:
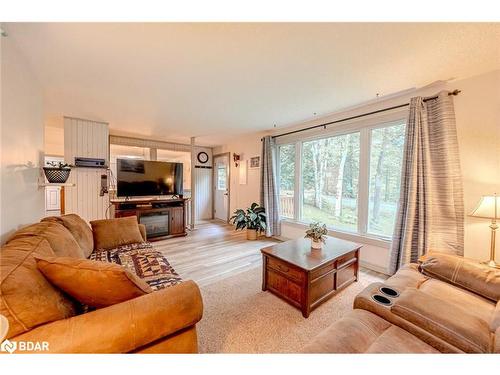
(305, 278)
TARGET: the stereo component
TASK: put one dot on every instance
(90, 162)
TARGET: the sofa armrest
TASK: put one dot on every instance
(463, 272)
(126, 326)
(142, 229)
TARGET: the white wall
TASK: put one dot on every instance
(248, 146)
(54, 140)
(477, 111)
(22, 142)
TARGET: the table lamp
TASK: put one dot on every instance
(489, 208)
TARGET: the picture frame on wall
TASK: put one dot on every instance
(254, 162)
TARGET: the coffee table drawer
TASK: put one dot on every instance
(285, 269)
(345, 259)
(322, 270)
(284, 287)
(346, 275)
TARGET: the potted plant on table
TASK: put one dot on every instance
(317, 233)
(57, 172)
(253, 219)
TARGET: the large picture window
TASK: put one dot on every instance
(330, 170)
(386, 154)
(287, 180)
(348, 181)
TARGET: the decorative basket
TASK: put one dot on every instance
(56, 175)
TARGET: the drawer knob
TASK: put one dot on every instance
(284, 269)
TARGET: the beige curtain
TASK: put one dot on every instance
(268, 187)
(431, 208)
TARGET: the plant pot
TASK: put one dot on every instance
(56, 175)
(251, 234)
(316, 244)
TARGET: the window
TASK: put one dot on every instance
(330, 170)
(386, 155)
(287, 180)
(349, 181)
(125, 152)
(178, 157)
(221, 177)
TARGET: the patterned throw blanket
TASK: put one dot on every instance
(142, 260)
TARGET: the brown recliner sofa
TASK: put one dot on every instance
(444, 304)
(163, 321)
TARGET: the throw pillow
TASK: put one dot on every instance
(112, 233)
(96, 284)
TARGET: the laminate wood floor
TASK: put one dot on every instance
(214, 251)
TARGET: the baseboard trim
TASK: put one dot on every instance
(374, 267)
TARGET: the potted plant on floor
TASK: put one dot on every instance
(253, 219)
(57, 172)
(317, 233)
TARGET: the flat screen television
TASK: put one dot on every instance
(143, 177)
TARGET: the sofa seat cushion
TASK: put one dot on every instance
(27, 299)
(142, 260)
(111, 233)
(59, 238)
(363, 332)
(78, 228)
(96, 284)
(478, 306)
(445, 320)
(463, 272)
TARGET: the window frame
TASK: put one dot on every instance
(364, 127)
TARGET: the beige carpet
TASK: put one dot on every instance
(239, 318)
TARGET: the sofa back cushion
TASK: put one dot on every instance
(80, 230)
(60, 239)
(463, 272)
(112, 233)
(94, 283)
(27, 299)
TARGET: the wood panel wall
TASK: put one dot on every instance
(203, 185)
(90, 139)
(203, 194)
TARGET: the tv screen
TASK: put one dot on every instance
(144, 177)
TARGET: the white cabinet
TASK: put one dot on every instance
(52, 198)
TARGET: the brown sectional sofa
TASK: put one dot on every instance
(160, 322)
(444, 304)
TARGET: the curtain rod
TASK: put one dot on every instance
(454, 93)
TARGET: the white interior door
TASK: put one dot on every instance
(221, 190)
(52, 198)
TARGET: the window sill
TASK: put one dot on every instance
(348, 236)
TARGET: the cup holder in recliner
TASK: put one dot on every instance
(382, 300)
(389, 291)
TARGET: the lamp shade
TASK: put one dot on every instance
(488, 208)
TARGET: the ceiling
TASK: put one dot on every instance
(171, 81)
